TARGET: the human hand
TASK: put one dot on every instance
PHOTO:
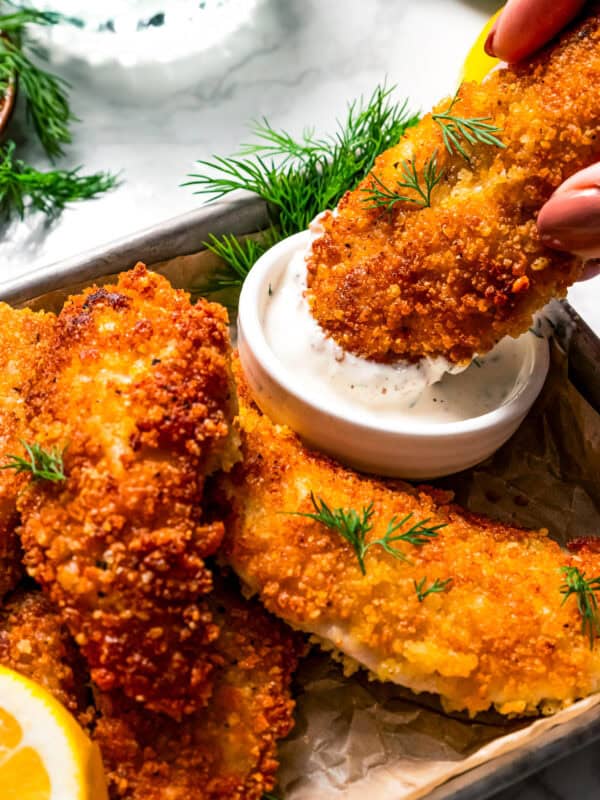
(570, 220)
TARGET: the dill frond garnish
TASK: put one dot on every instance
(239, 255)
(23, 187)
(584, 590)
(472, 130)
(46, 94)
(300, 177)
(16, 20)
(353, 527)
(43, 465)
(418, 534)
(378, 195)
(436, 587)
(47, 104)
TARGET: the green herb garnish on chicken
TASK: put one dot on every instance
(354, 527)
(301, 176)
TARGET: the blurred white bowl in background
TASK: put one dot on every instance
(148, 48)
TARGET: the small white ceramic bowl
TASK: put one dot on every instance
(417, 450)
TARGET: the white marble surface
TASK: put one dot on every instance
(297, 63)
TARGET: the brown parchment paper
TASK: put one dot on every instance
(357, 739)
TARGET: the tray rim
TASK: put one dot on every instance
(177, 236)
(240, 214)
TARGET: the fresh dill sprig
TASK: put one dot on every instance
(22, 187)
(46, 94)
(473, 130)
(43, 465)
(378, 195)
(418, 534)
(300, 177)
(16, 20)
(436, 587)
(353, 527)
(584, 590)
(239, 255)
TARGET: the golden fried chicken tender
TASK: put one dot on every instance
(136, 388)
(34, 642)
(452, 279)
(497, 631)
(21, 338)
(226, 751)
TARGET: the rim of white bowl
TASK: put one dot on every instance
(248, 314)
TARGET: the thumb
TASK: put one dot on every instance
(570, 220)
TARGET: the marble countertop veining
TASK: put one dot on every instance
(296, 62)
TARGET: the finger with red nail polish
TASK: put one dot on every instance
(526, 25)
(570, 220)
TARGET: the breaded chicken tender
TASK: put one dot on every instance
(136, 389)
(476, 613)
(34, 642)
(22, 334)
(453, 278)
(226, 751)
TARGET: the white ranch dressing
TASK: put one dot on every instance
(384, 393)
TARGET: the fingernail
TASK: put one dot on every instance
(571, 221)
(489, 43)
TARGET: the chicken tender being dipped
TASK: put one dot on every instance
(436, 253)
(418, 591)
(136, 392)
(226, 751)
(22, 335)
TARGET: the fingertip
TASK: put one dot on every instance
(585, 179)
(489, 43)
(570, 221)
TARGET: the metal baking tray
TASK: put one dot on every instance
(184, 235)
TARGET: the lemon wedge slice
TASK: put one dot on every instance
(44, 754)
(478, 64)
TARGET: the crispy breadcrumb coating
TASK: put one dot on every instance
(226, 751)
(136, 387)
(21, 337)
(498, 634)
(34, 642)
(453, 279)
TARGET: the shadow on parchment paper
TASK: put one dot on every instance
(375, 723)
(548, 474)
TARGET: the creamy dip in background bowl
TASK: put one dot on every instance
(410, 421)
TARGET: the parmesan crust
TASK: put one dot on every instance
(453, 279)
(499, 635)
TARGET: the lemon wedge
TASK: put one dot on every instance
(44, 754)
(478, 64)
